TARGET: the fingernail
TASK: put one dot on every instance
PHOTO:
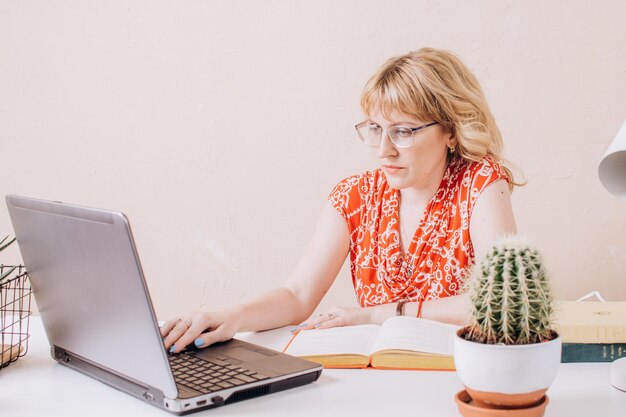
(318, 325)
(198, 342)
(303, 325)
(294, 329)
(173, 349)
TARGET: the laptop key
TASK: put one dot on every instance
(205, 376)
(258, 376)
(238, 381)
(245, 378)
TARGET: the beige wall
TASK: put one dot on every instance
(220, 127)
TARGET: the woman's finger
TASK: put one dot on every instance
(211, 337)
(335, 322)
(167, 327)
(177, 331)
(187, 338)
(316, 321)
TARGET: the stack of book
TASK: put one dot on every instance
(592, 331)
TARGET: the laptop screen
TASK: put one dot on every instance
(89, 288)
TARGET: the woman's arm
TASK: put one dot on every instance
(310, 280)
(293, 302)
(492, 218)
(453, 310)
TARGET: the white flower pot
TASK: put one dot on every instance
(506, 375)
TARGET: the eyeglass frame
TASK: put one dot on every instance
(412, 129)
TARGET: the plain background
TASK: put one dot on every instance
(220, 127)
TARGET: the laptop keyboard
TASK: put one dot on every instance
(205, 376)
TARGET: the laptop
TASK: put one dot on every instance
(97, 313)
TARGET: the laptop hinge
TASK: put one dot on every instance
(149, 394)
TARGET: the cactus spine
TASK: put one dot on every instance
(511, 297)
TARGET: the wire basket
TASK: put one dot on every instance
(15, 297)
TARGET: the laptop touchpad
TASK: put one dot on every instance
(246, 354)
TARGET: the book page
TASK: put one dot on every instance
(356, 340)
(410, 333)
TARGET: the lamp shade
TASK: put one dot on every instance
(612, 168)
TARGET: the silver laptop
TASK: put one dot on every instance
(96, 310)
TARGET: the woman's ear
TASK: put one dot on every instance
(452, 142)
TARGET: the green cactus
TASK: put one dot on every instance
(511, 296)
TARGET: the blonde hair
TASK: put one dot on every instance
(435, 85)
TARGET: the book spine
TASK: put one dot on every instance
(592, 352)
(593, 334)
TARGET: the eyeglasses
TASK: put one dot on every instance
(401, 136)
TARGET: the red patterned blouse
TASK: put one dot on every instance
(441, 251)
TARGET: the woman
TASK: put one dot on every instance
(412, 228)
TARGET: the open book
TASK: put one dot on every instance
(400, 343)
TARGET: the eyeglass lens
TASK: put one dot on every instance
(371, 134)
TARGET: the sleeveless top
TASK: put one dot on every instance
(441, 251)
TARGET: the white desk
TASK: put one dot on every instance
(36, 385)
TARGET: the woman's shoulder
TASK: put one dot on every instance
(363, 182)
(487, 168)
(357, 190)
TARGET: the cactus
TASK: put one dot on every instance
(511, 296)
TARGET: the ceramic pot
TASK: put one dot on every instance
(506, 376)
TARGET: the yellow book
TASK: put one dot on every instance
(400, 343)
(591, 321)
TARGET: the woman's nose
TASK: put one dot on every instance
(386, 147)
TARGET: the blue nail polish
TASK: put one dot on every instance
(294, 329)
(173, 349)
(198, 342)
(303, 325)
(318, 325)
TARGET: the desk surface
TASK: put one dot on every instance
(36, 385)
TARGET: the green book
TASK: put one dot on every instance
(592, 352)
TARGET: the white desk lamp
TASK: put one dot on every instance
(612, 174)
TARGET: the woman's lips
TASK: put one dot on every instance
(391, 169)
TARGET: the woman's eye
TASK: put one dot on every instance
(403, 132)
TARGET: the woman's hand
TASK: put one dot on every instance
(201, 328)
(337, 317)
